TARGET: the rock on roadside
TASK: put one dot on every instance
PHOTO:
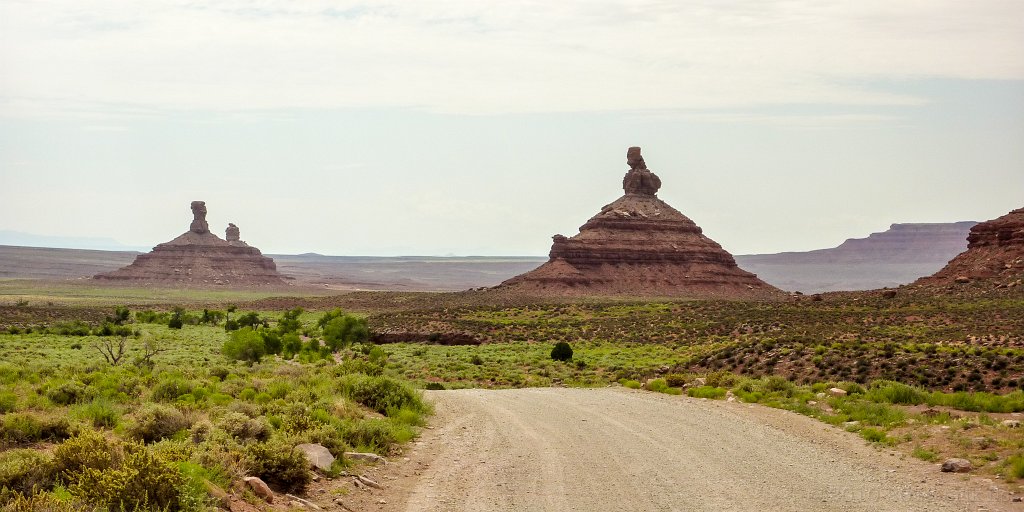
(317, 455)
(956, 466)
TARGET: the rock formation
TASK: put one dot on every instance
(891, 258)
(994, 257)
(231, 234)
(200, 258)
(640, 246)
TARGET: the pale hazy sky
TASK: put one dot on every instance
(472, 127)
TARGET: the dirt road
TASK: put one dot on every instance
(622, 450)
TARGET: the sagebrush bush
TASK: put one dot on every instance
(70, 392)
(278, 465)
(25, 471)
(891, 392)
(661, 386)
(8, 402)
(381, 393)
(243, 427)
(157, 421)
(677, 380)
(100, 413)
(27, 427)
(170, 387)
(376, 435)
(140, 481)
(117, 475)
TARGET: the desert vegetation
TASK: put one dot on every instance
(137, 411)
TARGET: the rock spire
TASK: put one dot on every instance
(200, 258)
(640, 246)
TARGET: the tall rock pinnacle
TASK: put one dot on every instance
(640, 246)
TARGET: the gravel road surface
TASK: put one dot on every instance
(614, 449)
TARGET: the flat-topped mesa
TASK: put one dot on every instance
(640, 246)
(994, 257)
(201, 258)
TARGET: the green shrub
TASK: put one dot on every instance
(375, 435)
(278, 465)
(561, 351)
(242, 427)
(26, 427)
(36, 502)
(156, 421)
(895, 393)
(720, 379)
(660, 386)
(776, 384)
(88, 449)
(706, 392)
(25, 471)
(381, 393)
(68, 393)
(138, 480)
(925, 454)
(434, 386)
(876, 436)
(170, 387)
(677, 380)
(631, 384)
(1015, 466)
(244, 344)
(343, 330)
(100, 413)
(8, 402)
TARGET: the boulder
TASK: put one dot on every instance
(1011, 423)
(956, 466)
(260, 488)
(837, 392)
(368, 457)
(317, 455)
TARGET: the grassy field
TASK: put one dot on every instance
(932, 377)
(131, 413)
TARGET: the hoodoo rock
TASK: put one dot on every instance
(994, 257)
(640, 246)
(201, 258)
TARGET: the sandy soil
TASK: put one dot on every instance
(617, 449)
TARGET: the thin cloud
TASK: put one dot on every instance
(469, 57)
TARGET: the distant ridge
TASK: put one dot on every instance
(890, 258)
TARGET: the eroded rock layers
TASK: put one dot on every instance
(200, 258)
(640, 246)
(994, 256)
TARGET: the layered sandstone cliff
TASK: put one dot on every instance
(640, 246)
(201, 258)
(994, 256)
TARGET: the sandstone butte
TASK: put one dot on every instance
(200, 258)
(640, 246)
(994, 258)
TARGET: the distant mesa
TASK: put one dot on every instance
(640, 246)
(200, 258)
(994, 258)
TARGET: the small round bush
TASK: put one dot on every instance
(25, 470)
(278, 465)
(242, 427)
(155, 422)
(561, 352)
(244, 344)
